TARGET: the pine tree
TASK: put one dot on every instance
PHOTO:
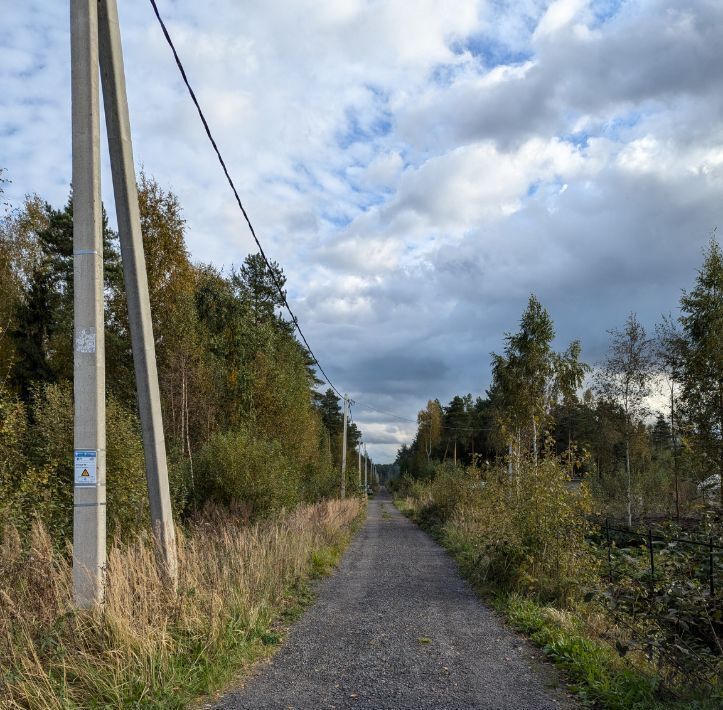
(331, 414)
(259, 287)
(456, 424)
(660, 434)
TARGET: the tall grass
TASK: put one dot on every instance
(149, 647)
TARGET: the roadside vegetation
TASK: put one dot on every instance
(244, 420)
(591, 519)
(149, 647)
(254, 451)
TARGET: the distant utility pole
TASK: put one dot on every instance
(366, 464)
(358, 451)
(343, 448)
(95, 41)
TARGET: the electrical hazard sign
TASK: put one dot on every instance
(85, 468)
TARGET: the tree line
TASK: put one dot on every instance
(245, 422)
(644, 426)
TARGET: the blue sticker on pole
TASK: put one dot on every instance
(86, 468)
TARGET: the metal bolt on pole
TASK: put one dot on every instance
(89, 514)
(343, 448)
(136, 283)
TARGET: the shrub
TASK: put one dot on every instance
(37, 472)
(241, 467)
(526, 533)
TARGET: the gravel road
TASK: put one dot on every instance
(397, 627)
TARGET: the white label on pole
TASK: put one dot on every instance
(85, 468)
(85, 341)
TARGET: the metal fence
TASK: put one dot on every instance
(710, 548)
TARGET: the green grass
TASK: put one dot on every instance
(596, 672)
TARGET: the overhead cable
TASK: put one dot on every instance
(389, 414)
(206, 127)
(230, 181)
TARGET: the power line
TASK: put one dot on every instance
(390, 414)
(467, 428)
(282, 294)
(415, 421)
(230, 181)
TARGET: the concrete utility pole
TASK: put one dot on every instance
(366, 464)
(343, 448)
(88, 342)
(94, 31)
(358, 451)
(136, 283)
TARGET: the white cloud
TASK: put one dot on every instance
(558, 15)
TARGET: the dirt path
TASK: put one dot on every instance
(396, 627)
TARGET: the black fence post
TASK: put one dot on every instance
(710, 567)
(652, 562)
(610, 561)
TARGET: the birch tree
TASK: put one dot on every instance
(625, 378)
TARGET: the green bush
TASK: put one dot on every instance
(526, 533)
(241, 467)
(452, 486)
(37, 469)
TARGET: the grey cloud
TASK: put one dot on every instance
(632, 246)
(658, 54)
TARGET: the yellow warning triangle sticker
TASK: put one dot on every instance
(85, 472)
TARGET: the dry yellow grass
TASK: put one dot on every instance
(149, 647)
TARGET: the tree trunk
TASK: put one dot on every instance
(569, 454)
(720, 443)
(630, 482)
(455, 452)
(519, 449)
(186, 441)
(182, 422)
(173, 408)
(534, 440)
(675, 451)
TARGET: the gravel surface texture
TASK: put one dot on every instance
(397, 627)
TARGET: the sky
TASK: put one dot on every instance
(417, 168)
